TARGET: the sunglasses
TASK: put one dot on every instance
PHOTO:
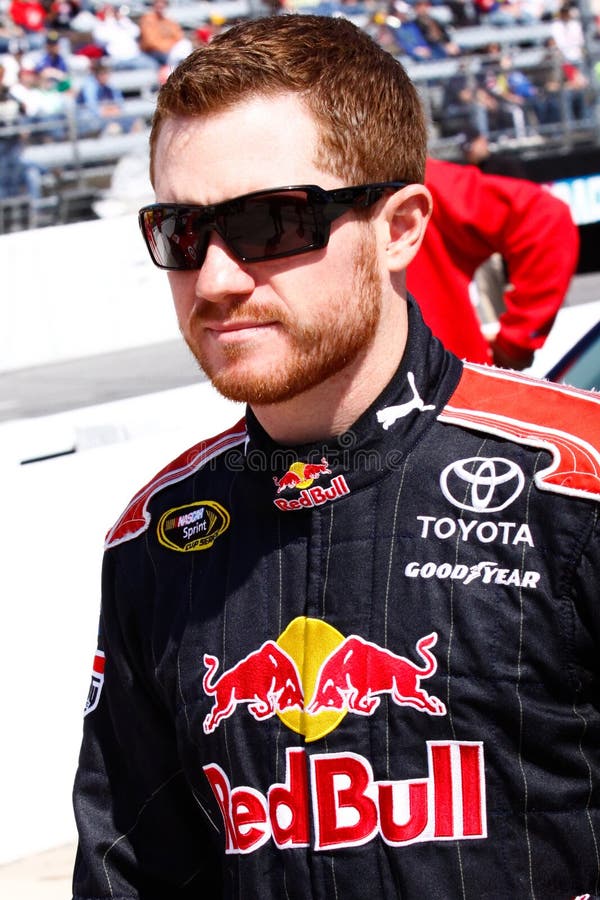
(263, 225)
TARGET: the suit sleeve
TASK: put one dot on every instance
(533, 231)
(142, 833)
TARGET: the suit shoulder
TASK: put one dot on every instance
(564, 421)
(135, 519)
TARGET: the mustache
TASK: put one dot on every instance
(207, 314)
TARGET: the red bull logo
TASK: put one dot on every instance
(300, 477)
(347, 806)
(339, 675)
(267, 680)
(312, 677)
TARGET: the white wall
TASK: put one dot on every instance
(77, 290)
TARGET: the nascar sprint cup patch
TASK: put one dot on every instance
(195, 526)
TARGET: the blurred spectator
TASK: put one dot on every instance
(568, 34)
(52, 63)
(62, 13)
(16, 176)
(84, 22)
(55, 104)
(205, 33)
(475, 216)
(10, 108)
(9, 33)
(463, 13)
(436, 36)
(118, 37)
(100, 106)
(469, 103)
(563, 83)
(402, 26)
(30, 16)
(538, 105)
(407, 35)
(11, 65)
(28, 94)
(504, 12)
(498, 69)
(477, 152)
(161, 37)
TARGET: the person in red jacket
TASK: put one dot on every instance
(474, 216)
(30, 15)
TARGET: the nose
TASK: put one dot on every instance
(222, 275)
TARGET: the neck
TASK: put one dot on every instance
(332, 407)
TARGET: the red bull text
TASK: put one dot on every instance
(300, 477)
(347, 807)
(315, 496)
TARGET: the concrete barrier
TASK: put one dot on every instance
(77, 290)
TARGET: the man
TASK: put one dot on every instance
(52, 63)
(476, 215)
(437, 37)
(101, 106)
(161, 37)
(348, 647)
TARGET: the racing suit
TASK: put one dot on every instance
(364, 666)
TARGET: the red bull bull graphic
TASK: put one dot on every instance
(355, 675)
(312, 676)
(300, 477)
(348, 807)
(267, 680)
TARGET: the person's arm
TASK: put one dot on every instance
(175, 30)
(533, 231)
(148, 32)
(541, 254)
(88, 97)
(142, 833)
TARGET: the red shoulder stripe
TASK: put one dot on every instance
(135, 520)
(563, 420)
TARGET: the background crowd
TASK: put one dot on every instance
(58, 59)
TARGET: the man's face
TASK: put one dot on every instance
(265, 332)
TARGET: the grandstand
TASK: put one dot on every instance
(75, 171)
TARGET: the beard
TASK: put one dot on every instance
(344, 329)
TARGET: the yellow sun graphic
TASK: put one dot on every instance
(298, 469)
(309, 642)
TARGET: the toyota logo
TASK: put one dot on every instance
(480, 483)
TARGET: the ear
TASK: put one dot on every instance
(407, 213)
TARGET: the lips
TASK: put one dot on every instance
(230, 327)
(238, 329)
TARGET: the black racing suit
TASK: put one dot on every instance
(367, 667)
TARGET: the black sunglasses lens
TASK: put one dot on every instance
(262, 227)
(176, 239)
(259, 227)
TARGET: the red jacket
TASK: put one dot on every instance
(28, 14)
(475, 215)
